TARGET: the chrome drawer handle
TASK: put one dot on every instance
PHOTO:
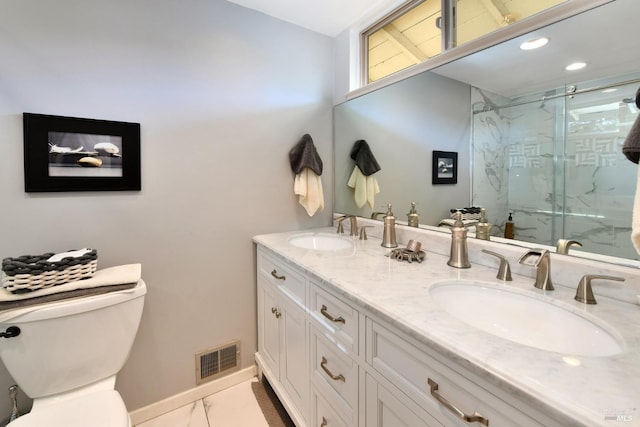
(475, 417)
(324, 422)
(274, 273)
(326, 314)
(275, 312)
(323, 365)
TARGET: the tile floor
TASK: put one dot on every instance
(233, 407)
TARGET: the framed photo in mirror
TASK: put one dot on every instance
(76, 154)
(444, 167)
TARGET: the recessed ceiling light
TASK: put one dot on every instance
(575, 66)
(534, 43)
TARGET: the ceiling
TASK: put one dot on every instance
(597, 38)
(329, 17)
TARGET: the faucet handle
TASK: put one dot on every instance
(363, 231)
(340, 229)
(584, 293)
(504, 271)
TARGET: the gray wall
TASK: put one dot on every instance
(403, 124)
(222, 93)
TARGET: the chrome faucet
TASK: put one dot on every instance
(563, 245)
(584, 293)
(543, 265)
(354, 225)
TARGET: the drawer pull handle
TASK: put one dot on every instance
(323, 365)
(475, 417)
(275, 312)
(324, 422)
(274, 273)
(326, 314)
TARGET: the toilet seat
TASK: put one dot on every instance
(100, 409)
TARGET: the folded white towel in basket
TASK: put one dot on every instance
(73, 254)
(119, 275)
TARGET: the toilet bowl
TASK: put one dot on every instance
(67, 355)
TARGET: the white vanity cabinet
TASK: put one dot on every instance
(283, 333)
(336, 363)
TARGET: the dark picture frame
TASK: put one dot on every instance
(78, 154)
(444, 167)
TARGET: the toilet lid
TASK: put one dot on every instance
(100, 409)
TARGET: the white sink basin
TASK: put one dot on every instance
(321, 242)
(525, 319)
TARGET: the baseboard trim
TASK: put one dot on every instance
(186, 397)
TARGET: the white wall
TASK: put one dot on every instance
(222, 93)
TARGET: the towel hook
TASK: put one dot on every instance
(12, 331)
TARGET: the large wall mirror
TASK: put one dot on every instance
(531, 138)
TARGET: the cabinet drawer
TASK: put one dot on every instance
(336, 374)
(392, 409)
(286, 278)
(338, 319)
(410, 369)
(323, 414)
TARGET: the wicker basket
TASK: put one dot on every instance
(29, 273)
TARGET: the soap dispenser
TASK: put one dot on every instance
(459, 256)
(389, 232)
(483, 228)
(508, 228)
(412, 217)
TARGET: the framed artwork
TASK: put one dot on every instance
(75, 154)
(444, 167)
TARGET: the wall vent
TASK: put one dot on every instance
(215, 362)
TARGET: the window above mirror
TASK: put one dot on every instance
(422, 29)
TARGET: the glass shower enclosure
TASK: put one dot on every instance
(554, 160)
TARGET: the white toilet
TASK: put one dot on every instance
(67, 355)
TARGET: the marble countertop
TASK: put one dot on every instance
(576, 391)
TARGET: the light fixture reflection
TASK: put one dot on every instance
(571, 361)
(534, 43)
(575, 66)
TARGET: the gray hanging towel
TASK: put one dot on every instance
(365, 160)
(304, 155)
(631, 147)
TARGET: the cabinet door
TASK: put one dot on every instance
(384, 409)
(294, 356)
(268, 326)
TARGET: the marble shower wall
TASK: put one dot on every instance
(558, 166)
(490, 158)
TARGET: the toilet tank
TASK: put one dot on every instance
(71, 343)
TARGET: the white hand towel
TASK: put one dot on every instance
(635, 222)
(365, 188)
(308, 186)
